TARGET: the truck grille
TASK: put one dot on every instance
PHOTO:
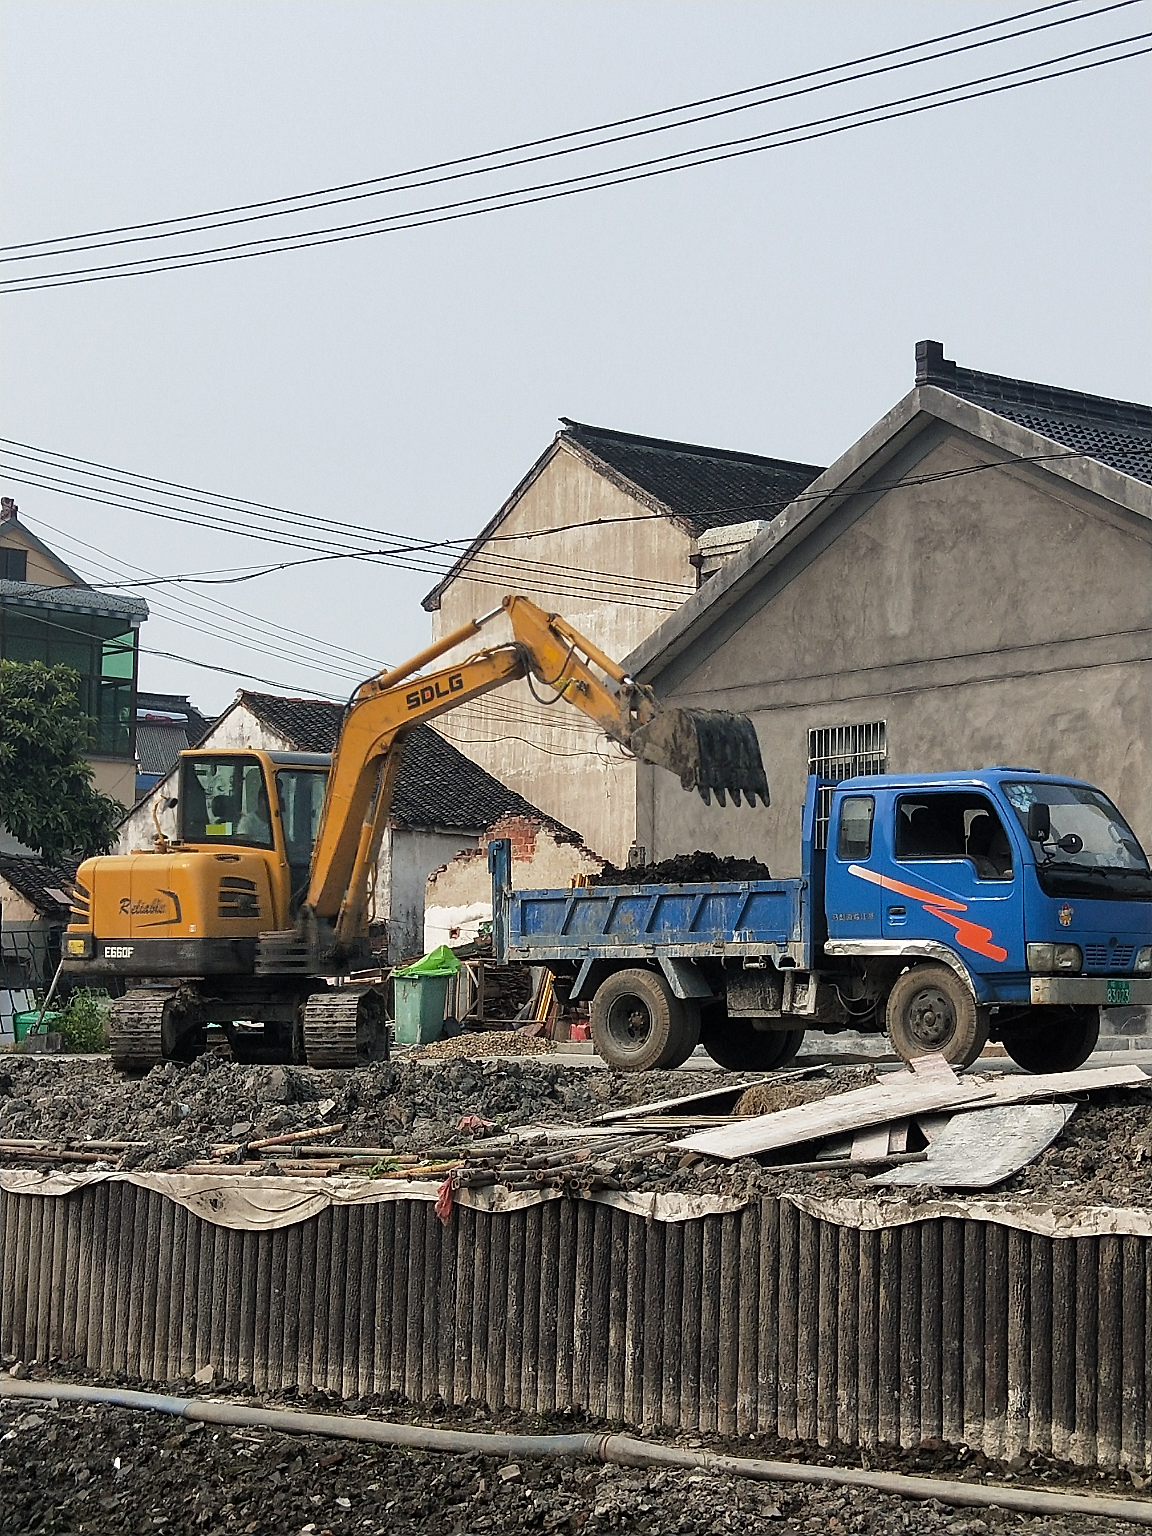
(1106, 957)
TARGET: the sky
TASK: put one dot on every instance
(405, 383)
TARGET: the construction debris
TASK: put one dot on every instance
(546, 1124)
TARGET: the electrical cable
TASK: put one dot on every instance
(306, 202)
(592, 181)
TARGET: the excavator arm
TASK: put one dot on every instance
(711, 750)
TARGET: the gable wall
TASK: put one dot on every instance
(42, 571)
(1001, 617)
(551, 754)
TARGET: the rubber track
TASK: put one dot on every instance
(136, 1031)
(331, 1035)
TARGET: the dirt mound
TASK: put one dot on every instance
(116, 1470)
(478, 1043)
(685, 868)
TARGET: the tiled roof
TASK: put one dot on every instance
(1117, 433)
(705, 487)
(159, 744)
(438, 786)
(29, 594)
(34, 878)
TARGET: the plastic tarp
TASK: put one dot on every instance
(247, 1203)
(438, 962)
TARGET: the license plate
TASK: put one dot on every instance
(1118, 992)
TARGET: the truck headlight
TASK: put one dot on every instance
(1144, 959)
(1048, 958)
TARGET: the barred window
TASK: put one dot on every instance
(841, 752)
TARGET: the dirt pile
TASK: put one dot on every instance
(1103, 1156)
(111, 1470)
(698, 866)
(181, 1111)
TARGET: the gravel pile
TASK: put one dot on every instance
(78, 1469)
(1103, 1157)
(480, 1043)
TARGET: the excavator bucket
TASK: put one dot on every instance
(711, 750)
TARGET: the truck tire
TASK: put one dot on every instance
(1054, 1039)
(639, 1024)
(739, 1047)
(931, 1010)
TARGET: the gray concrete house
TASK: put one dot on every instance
(614, 531)
(969, 584)
(442, 804)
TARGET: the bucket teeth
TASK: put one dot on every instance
(712, 750)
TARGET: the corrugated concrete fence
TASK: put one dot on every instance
(763, 1319)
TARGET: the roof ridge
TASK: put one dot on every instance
(932, 367)
(674, 445)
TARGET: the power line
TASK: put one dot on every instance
(593, 181)
(377, 187)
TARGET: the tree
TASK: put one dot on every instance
(47, 799)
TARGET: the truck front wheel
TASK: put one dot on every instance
(639, 1024)
(931, 1010)
(1054, 1039)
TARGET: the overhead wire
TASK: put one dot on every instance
(377, 187)
(955, 94)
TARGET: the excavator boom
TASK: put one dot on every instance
(709, 750)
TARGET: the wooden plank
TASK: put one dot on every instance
(982, 1147)
(1026, 1088)
(716, 1100)
(931, 1086)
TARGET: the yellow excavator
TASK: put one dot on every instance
(251, 916)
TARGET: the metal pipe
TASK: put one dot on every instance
(623, 1450)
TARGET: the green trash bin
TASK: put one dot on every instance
(23, 1024)
(420, 1008)
(421, 991)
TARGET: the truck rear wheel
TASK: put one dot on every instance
(639, 1024)
(738, 1046)
(1054, 1039)
(931, 1010)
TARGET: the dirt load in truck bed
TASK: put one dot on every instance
(685, 869)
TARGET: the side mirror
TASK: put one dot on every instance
(1039, 822)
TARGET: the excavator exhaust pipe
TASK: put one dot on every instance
(711, 750)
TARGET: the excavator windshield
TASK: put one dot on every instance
(225, 800)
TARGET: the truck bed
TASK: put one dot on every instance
(731, 919)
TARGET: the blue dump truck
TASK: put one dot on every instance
(945, 909)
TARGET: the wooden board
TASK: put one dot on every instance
(983, 1147)
(900, 1095)
(1028, 1088)
(714, 1100)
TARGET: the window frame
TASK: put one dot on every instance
(870, 800)
(982, 800)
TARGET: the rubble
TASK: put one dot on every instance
(400, 1113)
(115, 1470)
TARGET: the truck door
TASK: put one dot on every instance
(953, 879)
(853, 904)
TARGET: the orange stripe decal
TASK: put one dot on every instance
(969, 935)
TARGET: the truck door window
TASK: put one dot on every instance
(954, 826)
(225, 800)
(854, 840)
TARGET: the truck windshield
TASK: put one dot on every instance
(224, 800)
(1090, 849)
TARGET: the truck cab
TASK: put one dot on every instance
(1011, 904)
